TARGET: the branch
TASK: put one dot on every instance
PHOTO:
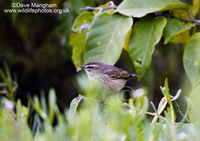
(84, 26)
(179, 111)
(191, 19)
(94, 100)
(168, 16)
(111, 6)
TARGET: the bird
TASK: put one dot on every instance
(110, 78)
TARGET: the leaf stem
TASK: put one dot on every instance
(179, 111)
(111, 6)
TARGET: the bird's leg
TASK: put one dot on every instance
(102, 102)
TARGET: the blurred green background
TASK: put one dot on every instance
(36, 49)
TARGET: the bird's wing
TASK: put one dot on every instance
(125, 75)
(117, 73)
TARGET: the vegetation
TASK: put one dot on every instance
(132, 29)
(112, 120)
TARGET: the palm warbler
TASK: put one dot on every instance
(110, 78)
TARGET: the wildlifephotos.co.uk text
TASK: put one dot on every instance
(35, 8)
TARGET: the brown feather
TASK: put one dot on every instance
(112, 71)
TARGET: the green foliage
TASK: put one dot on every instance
(78, 48)
(107, 47)
(195, 9)
(74, 104)
(149, 30)
(103, 42)
(102, 35)
(9, 85)
(140, 8)
(173, 28)
(191, 59)
(194, 111)
(13, 126)
(191, 62)
(93, 120)
(84, 18)
(171, 19)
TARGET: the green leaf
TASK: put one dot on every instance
(194, 112)
(167, 93)
(11, 85)
(161, 107)
(191, 59)
(127, 40)
(74, 105)
(106, 37)
(186, 127)
(36, 105)
(78, 42)
(195, 9)
(7, 72)
(177, 95)
(173, 28)
(5, 79)
(37, 124)
(145, 35)
(139, 8)
(180, 13)
(42, 102)
(84, 18)
(97, 12)
(24, 133)
(169, 101)
(52, 104)
(182, 38)
(19, 109)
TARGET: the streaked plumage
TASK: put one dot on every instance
(110, 78)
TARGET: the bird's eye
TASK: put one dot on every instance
(89, 67)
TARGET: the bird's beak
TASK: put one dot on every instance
(79, 69)
(82, 67)
(136, 75)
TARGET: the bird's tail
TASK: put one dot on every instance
(136, 75)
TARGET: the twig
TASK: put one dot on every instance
(168, 16)
(84, 26)
(112, 5)
(177, 106)
(186, 114)
(102, 102)
(191, 19)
